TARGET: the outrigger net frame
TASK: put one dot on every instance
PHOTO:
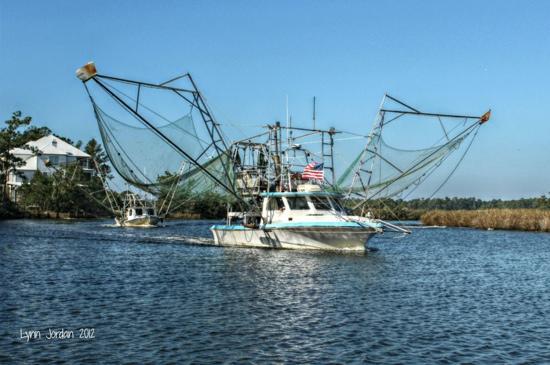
(207, 161)
(375, 173)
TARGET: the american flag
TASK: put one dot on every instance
(314, 171)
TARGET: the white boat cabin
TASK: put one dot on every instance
(301, 206)
(308, 205)
(139, 212)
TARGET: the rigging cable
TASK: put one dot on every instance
(458, 163)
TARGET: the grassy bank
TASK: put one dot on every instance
(399, 213)
(512, 219)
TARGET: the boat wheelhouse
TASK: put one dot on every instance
(137, 212)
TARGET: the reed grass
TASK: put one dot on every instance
(510, 219)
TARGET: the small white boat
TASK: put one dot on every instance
(304, 219)
(137, 213)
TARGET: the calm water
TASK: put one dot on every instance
(439, 295)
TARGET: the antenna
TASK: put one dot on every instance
(314, 112)
(287, 109)
(288, 144)
(291, 140)
(287, 120)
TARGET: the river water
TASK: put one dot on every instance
(159, 296)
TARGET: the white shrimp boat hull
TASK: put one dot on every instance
(145, 222)
(334, 237)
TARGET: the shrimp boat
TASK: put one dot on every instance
(285, 186)
(292, 202)
(137, 212)
(305, 219)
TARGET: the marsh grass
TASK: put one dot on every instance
(511, 219)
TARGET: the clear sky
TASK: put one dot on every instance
(460, 56)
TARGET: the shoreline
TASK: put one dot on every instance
(528, 220)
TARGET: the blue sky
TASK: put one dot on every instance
(246, 56)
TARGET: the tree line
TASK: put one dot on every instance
(414, 208)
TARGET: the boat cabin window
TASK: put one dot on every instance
(139, 211)
(276, 204)
(297, 203)
(235, 220)
(150, 211)
(320, 203)
(337, 205)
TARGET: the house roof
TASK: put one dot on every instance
(20, 151)
(51, 145)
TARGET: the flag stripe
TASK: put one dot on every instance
(314, 170)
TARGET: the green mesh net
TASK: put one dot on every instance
(381, 170)
(384, 171)
(144, 160)
(150, 149)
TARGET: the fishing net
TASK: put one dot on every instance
(381, 170)
(151, 149)
(139, 152)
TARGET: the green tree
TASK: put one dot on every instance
(99, 158)
(33, 133)
(37, 193)
(210, 205)
(10, 138)
(77, 144)
(67, 190)
(72, 189)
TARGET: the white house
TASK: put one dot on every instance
(53, 152)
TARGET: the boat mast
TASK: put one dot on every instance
(289, 147)
(314, 113)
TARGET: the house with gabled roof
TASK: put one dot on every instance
(46, 155)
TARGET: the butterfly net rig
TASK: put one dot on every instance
(165, 134)
(427, 141)
(151, 137)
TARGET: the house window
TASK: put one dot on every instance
(54, 160)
